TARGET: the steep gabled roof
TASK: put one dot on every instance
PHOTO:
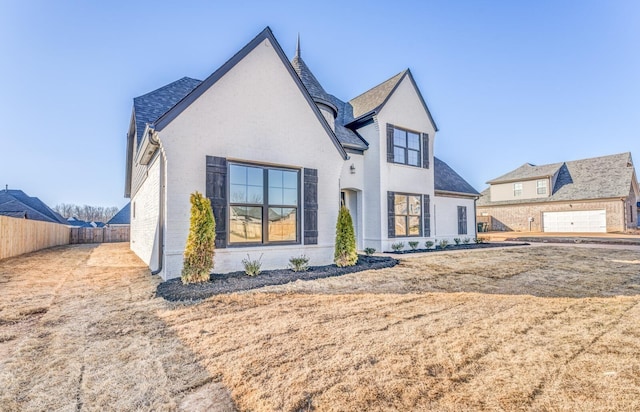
(123, 217)
(199, 90)
(17, 201)
(149, 107)
(447, 180)
(605, 177)
(528, 172)
(373, 100)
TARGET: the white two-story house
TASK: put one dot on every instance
(277, 155)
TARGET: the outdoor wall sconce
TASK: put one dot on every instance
(353, 169)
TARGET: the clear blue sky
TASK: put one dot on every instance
(507, 82)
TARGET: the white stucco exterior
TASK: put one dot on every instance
(145, 213)
(403, 109)
(257, 112)
(445, 218)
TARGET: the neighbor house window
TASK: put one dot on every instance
(263, 204)
(462, 220)
(407, 214)
(541, 185)
(406, 147)
(517, 189)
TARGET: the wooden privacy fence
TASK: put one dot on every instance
(18, 236)
(99, 234)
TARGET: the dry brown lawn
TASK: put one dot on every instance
(537, 328)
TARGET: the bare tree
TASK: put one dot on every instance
(86, 212)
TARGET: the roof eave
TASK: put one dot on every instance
(456, 194)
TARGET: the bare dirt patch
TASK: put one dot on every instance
(540, 328)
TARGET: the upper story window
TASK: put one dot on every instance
(263, 204)
(407, 214)
(406, 147)
(517, 189)
(541, 186)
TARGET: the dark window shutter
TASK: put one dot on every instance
(426, 215)
(390, 158)
(391, 218)
(310, 206)
(216, 192)
(425, 150)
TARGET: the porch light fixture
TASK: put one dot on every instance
(353, 169)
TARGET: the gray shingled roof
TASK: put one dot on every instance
(447, 180)
(528, 172)
(149, 107)
(309, 81)
(347, 137)
(12, 201)
(123, 217)
(603, 177)
(372, 99)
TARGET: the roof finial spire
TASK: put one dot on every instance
(298, 47)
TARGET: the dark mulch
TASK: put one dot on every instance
(174, 290)
(461, 247)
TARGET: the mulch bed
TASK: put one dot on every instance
(173, 290)
(460, 247)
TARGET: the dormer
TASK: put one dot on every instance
(526, 182)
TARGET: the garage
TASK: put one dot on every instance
(575, 221)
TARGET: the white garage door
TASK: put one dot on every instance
(575, 221)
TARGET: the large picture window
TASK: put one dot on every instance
(406, 147)
(407, 214)
(263, 204)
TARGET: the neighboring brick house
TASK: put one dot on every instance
(590, 195)
(277, 155)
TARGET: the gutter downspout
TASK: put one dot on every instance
(161, 209)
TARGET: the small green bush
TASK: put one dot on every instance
(369, 251)
(198, 253)
(345, 251)
(429, 244)
(299, 264)
(457, 240)
(414, 244)
(466, 240)
(252, 267)
(443, 244)
(397, 247)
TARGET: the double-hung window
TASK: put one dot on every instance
(541, 186)
(517, 189)
(407, 212)
(406, 147)
(263, 205)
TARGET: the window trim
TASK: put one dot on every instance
(544, 186)
(421, 215)
(517, 189)
(265, 205)
(406, 148)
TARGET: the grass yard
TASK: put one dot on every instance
(536, 328)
